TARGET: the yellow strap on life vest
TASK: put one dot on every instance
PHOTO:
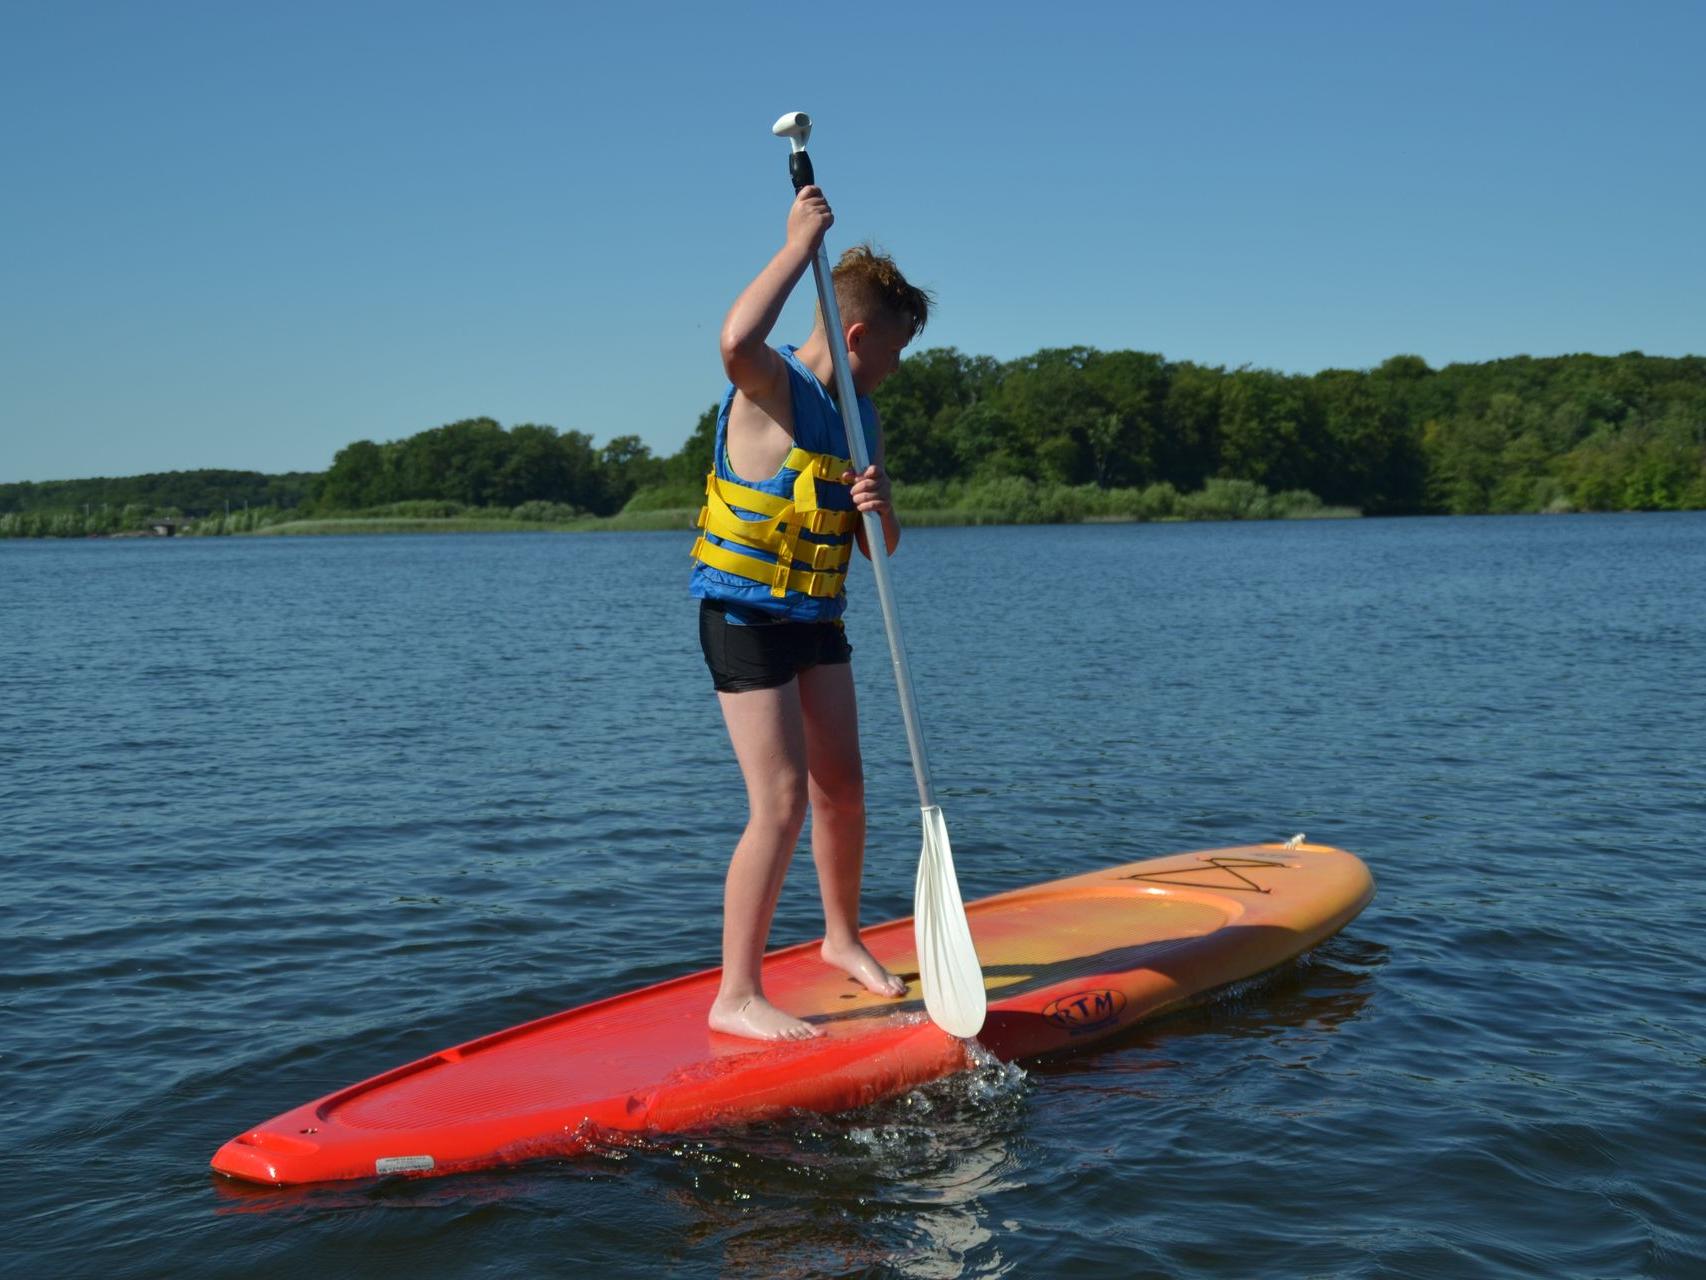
(726, 494)
(804, 581)
(812, 468)
(824, 466)
(777, 529)
(717, 518)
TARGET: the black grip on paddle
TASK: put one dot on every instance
(800, 169)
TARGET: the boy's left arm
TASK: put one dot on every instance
(871, 492)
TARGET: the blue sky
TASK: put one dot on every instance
(242, 234)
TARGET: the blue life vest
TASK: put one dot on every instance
(778, 549)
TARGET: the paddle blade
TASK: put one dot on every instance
(947, 961)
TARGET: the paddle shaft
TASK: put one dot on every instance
(800, 169)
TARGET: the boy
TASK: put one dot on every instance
(782, 513)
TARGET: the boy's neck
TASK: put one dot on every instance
(814, 354)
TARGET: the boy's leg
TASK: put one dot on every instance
(837, 789)
(765, 726)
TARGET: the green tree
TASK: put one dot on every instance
(356, 478)
(1268, 432)
(628, 465)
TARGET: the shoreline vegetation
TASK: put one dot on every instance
(1067, 435)
(921, 506)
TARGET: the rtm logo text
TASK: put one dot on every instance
(1085, 1010)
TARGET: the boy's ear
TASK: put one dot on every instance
(856, 334)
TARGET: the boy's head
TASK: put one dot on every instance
(880, 313)
(870, 289)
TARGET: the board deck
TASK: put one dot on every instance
(1066, 964)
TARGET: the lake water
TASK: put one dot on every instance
(278, 814)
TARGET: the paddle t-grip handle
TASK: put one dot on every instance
(796, 127)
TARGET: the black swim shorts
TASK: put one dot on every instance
(765, 655)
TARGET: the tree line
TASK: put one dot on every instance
(187, 492)
(1576, 432)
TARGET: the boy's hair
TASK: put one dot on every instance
(869, 287)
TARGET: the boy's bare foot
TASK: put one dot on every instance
(862, 966)
(757, 1019)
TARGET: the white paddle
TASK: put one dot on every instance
(947, 961)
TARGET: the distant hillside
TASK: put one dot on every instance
(191, 493)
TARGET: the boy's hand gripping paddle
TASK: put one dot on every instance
(947, 961)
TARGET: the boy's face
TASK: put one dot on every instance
(873, 352)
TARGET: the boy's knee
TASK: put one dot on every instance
(780, 801)
(844, 794)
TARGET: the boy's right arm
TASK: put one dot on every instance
(756, 370)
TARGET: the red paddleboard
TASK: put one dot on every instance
(1066, 964)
